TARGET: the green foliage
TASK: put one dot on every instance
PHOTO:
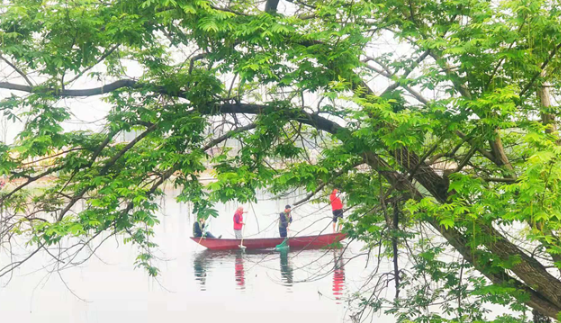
(455, 164)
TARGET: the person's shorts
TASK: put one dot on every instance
(337, 214)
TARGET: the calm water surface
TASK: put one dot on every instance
(194, 284)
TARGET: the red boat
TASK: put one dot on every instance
(305, 242)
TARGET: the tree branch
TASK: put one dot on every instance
(502, 59)
(414, 93)
(407, 72)
(71, 93)
(271, 5)
(530, 271)
(105, 168)
(104, 56)
(20, 72)
(542, 68)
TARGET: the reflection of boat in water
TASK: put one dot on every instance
(338, 275)
(298, 243)
(203, 261)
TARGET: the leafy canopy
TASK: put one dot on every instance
(438, 120)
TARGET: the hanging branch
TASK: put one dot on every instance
(395, 249)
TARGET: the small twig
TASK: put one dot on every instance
(104, 56)
(20, 72)
(466, 159)
(544, 65)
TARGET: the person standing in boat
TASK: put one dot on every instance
(238, 222)
(337, 207)
(198, 230)
(284, 221)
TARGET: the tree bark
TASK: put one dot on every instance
(548, 119)
(271, 5)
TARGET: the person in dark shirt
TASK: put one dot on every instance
(285, 220)
(198, 228)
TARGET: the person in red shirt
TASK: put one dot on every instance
(337, 207)
(238, 222)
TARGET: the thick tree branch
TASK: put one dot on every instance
(529, 270)
(482, 151)
(69, 92)
(271, 5)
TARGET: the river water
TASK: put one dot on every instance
(195, 284)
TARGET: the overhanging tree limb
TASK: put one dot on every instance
(426, 176)
(71, 92)
(529, 270)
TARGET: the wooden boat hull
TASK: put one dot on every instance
(305, 242)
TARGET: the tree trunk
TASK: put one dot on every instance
(540, 318)
(548, 119)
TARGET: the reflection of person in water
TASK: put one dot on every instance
(200, 266)
(338, 275)
(286, 270)
(240, 275)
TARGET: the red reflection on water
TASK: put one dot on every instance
(338, 276)
(240, 275)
